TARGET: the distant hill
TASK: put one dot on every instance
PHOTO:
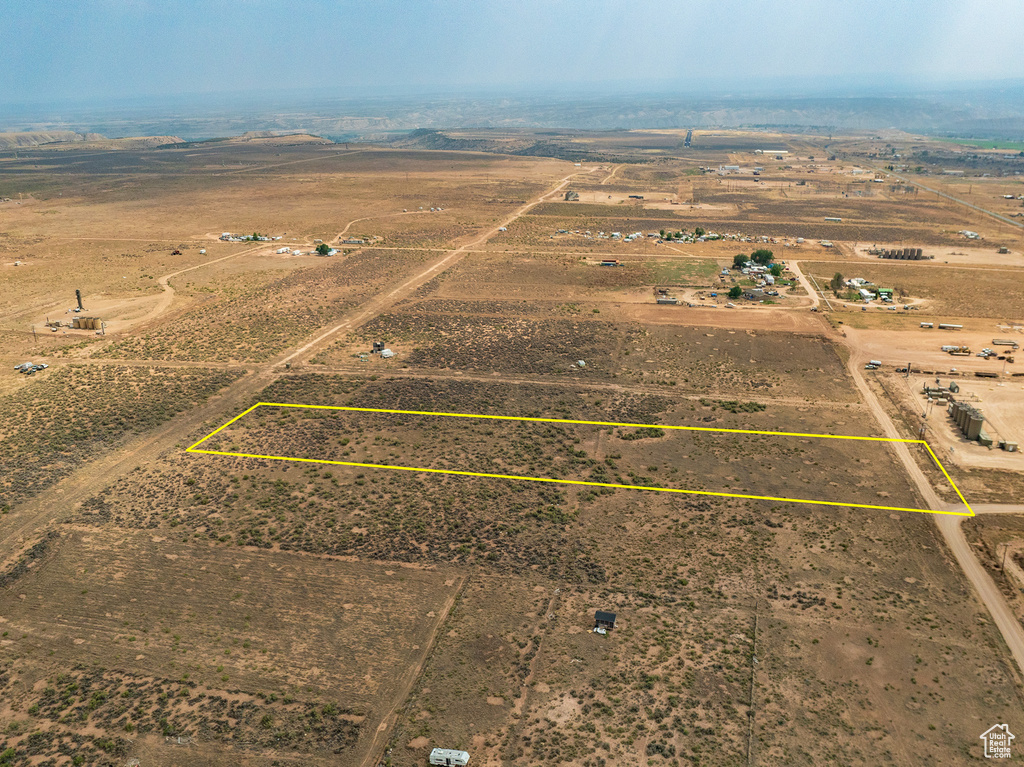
(38, 138)
(73, 140)
(423, 138)
(521, 143)
(282, 137)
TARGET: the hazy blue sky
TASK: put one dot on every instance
(59, 49)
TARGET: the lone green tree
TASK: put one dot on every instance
(323, 248)
(735, 291)
(775, 271)
(762, 256)
(739, 260)
(698, 232)
(837, 282)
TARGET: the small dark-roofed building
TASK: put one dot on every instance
(604, 620)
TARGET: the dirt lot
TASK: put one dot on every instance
(550, 339)
(247, 650)
(642, 454)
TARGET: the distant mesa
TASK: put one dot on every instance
(73, 140)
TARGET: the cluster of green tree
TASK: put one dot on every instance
(762, 257)
(667, 235)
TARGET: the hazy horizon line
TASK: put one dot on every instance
(788, 88)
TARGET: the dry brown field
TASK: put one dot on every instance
(944, 291)
(63, 418)
(549, 338)
(187, 609)
(246, 649)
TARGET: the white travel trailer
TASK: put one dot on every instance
(449, 757)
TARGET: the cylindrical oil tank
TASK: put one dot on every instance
(974, 426)
(961, 418)
(965, 419)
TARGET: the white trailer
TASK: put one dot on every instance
(449, 757)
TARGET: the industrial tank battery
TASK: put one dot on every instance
(974, 423)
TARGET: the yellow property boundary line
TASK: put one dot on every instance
(195, 449)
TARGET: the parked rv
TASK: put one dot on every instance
(449, 757)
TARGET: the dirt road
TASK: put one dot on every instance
(348, 226)
(164, 302)
(997, 508)
(375, 306)
(375, 748)
(794, 266)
